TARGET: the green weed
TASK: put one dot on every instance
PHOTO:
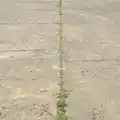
(62, 94)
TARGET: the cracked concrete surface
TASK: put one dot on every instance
(29, 58)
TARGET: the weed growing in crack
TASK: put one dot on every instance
(61, 113)
(61, 105)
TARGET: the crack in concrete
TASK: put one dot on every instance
(94, 60)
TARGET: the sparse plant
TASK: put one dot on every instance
(61, 113)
